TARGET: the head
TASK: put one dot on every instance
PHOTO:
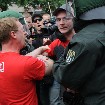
(64, 19)
(46, 17)
(28, 19)
(11, 31)
(19, 16)
(37, 22)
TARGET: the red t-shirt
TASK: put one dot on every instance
(54, 44)
(17, 73)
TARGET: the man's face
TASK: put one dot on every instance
(38, 23)
(20, 35)
(46, 17)
(29, 21)
(64, 23)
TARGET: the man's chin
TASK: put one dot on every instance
(63, 32)
(66, 31)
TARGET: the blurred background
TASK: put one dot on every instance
(31, 6)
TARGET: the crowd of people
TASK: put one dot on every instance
(60, 62)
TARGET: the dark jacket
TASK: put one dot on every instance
(82, 67)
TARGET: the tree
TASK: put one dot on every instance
(51, 5)
(47, 5)
(3, 4)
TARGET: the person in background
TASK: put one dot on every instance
(37, 20)
(28, 19)
(46, 19)
(17, 72)
(64, 21)
(37, 42)
(82, 66)
(38, 35)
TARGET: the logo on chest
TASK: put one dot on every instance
(70, 56)
(1, 66)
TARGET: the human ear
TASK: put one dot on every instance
(13, 34)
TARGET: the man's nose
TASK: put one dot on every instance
(61, 21)
(37, 21)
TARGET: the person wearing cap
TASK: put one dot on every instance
(37, 41)
(17, 72)
(82, 66)
(37, 36)
(64, 21)
(37, 20)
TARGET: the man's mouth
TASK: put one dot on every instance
(39, 25)
(63, 28)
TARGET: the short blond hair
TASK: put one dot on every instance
(6, 26)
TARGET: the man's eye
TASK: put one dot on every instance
(58, 19)
(66, 18)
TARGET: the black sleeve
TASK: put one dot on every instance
(37, 42)
(58, 51)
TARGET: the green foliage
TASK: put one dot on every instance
(51, 4)
(45, 4)
(3, 4)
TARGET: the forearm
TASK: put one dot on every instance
(37, 51)
(49, 65)
(45, 53)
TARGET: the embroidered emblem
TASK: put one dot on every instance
(1, 66)
(70, 56)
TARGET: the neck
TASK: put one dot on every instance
(70, 34)
(39, 32)
(9, 47)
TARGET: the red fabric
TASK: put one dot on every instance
(16, 81)
(55, 43)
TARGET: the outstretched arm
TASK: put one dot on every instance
(48, 63)
(37, 51)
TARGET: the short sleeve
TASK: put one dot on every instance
(34, 69)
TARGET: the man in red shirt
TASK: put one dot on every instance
(64, 20)
(17, 72)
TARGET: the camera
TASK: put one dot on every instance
(47, 31)
(49, 27)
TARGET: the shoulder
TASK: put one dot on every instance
(89, 39)
(55, 42)
(32, 63)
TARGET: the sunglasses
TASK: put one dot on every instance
(39, 19)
